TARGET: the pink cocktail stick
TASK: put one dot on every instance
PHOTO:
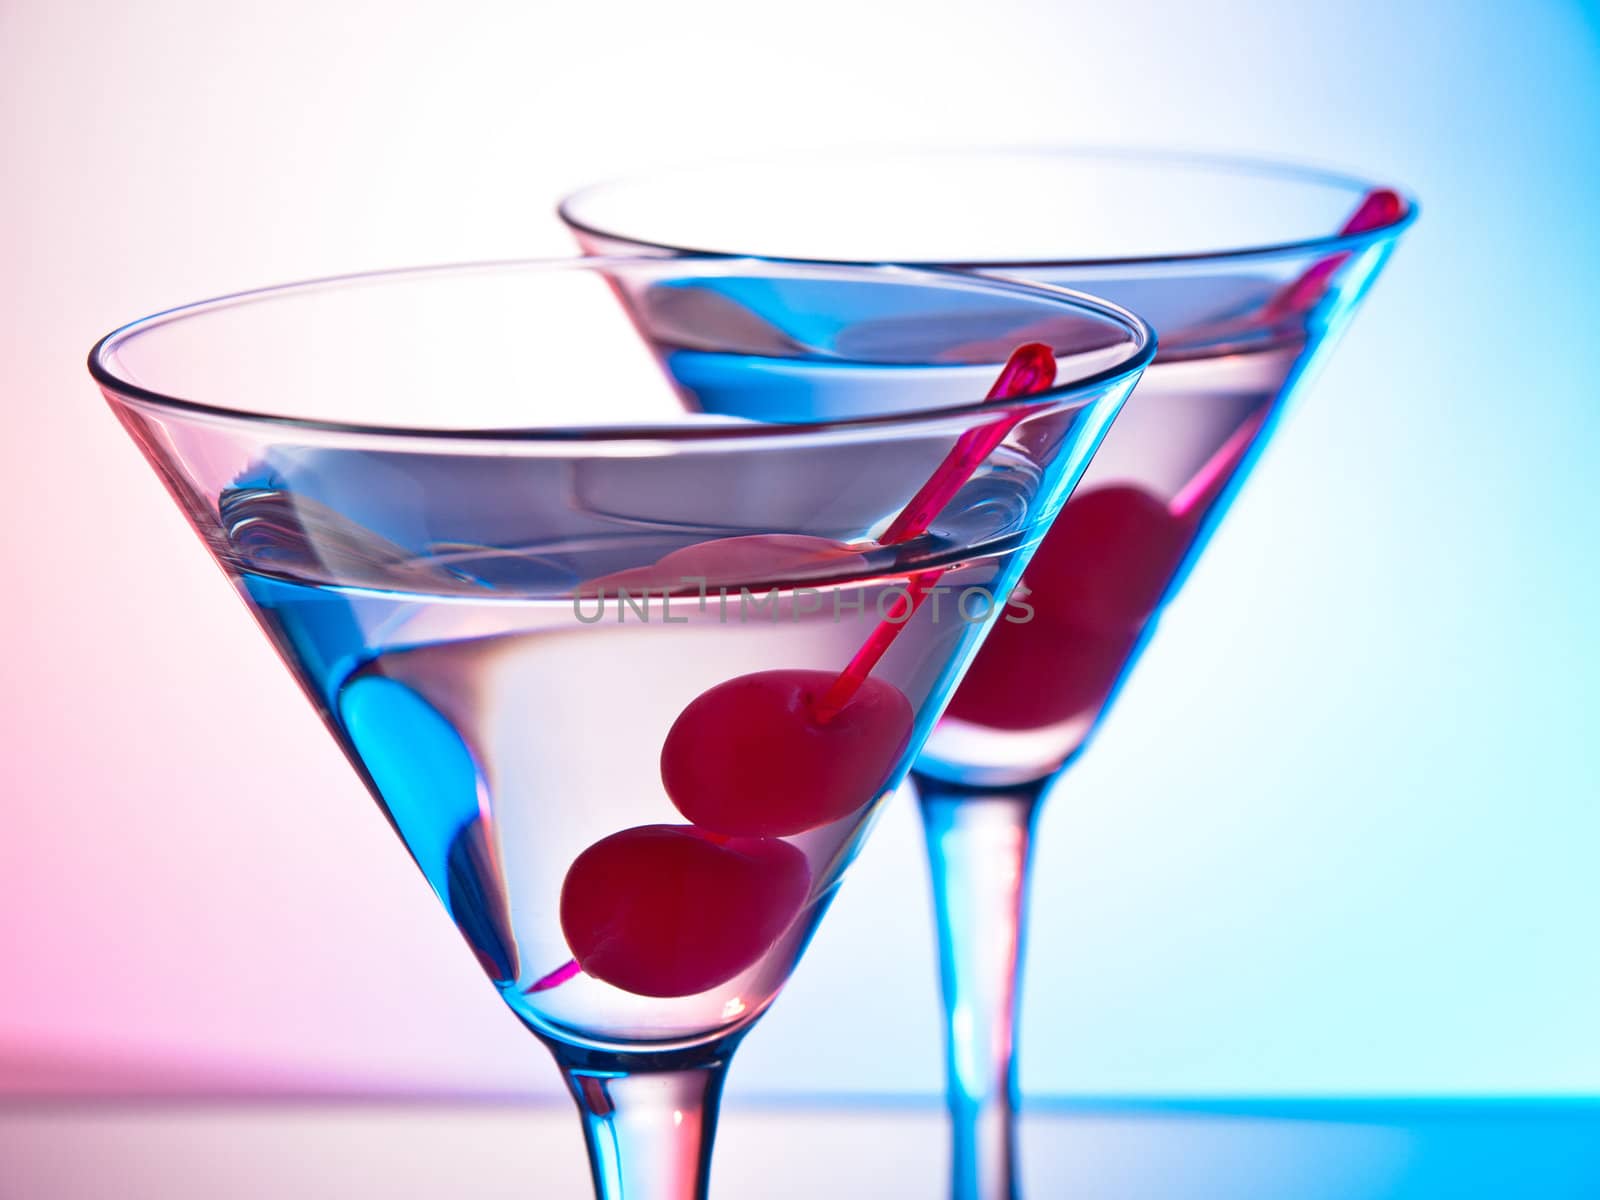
(556, 978)
(832, 703)
(1210, 479)
(1030, 369)
(1378, 208)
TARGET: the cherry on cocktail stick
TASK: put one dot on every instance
(1106, 564)
(834, 740)
(778, 767)
(669, 910)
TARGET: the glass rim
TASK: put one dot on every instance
(1140, 351)
(1286, 169)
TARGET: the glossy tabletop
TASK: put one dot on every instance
(1243, 1150)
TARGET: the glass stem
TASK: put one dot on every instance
(648, 1123)
(979, 845)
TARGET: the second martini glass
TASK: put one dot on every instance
(1247, 271)
(628, 678)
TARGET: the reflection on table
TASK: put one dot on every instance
(1244, 1150)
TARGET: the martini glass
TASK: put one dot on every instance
(628, 676)
(1248, 271)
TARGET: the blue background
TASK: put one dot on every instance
(1341, 834)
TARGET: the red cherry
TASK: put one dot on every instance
(750, 758)
(1037, 674)
(747, 559)
(1099, 574)
(663, 910)
(1107, 560)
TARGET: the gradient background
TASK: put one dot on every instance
(1340, 837)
